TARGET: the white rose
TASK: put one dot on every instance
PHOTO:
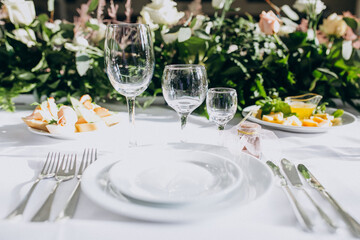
(199, 22)
(307, 5)
(100, 33)
(218, 4)
(26, 37)
(334, 25)
(145, 19)
(55, 26)
(162, 12)
(169, 37)
(232, 48)
(285, 30)
(80, 41)
(20, 11)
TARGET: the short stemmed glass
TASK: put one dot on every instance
(221, 105)
(184, 88)
(129, 63)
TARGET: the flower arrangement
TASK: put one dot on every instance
(287, 52)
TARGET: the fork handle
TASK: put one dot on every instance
(300, 214)
(19, 210)
(70, 208)
(43, 213)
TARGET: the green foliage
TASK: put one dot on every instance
(235, 52)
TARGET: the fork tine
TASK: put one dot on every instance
(87, 159)
(72, 166)
(60, 169)
(83, 160)
(56, 162)
(47, 163)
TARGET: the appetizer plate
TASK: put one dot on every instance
(175, 177)
(69, 136)
(347, 119)
(256, 181)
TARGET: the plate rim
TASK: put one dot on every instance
(297, 129)
(216, 196)
(151, 213)
(70, 136)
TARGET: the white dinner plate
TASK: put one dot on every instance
(70, 136)
(347, 119)
(175, 177)
(257, 179)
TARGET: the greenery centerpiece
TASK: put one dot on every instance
(289, 51)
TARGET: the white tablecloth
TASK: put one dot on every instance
(334, 157)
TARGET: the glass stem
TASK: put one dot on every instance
(131, 109)
(183, 119)
(221, 134)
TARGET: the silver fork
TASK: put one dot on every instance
(68, 212)
(65, 172)
(48, 171)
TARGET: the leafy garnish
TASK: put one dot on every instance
(321, 108)
(35, 104)
(274, 105)
(338, 113)
(53, 121)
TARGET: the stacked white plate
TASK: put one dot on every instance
(174, 182)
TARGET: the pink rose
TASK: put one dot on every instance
(303, 26)
(322, 38)
(356, 44)
(349, 34)
(269, 22)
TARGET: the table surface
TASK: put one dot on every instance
(333, 157)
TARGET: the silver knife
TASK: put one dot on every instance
(293, 176)
(298, 210)
(353, 225)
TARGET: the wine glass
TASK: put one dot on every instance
(129, 63)
(184, 88)
(221, 105)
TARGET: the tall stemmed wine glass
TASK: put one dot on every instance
(184, 88)
(129, 63)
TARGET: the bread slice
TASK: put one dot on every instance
(37, 124)
(88, 127)
(112, 119)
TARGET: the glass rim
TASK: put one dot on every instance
(126, 24)
(222, 90)
(184, 66)
(303, 98)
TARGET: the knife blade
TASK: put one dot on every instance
(294, 178)
(352, 224)
(300, 214)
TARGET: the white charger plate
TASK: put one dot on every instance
(347, 119)
(257, 180)
(175, 177)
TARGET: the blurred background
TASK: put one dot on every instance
(66, 9)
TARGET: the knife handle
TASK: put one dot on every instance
(353, 225)
(300, 214)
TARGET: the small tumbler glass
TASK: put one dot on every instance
(221, 105)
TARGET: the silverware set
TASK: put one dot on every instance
(61, 169)
(292, 175)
